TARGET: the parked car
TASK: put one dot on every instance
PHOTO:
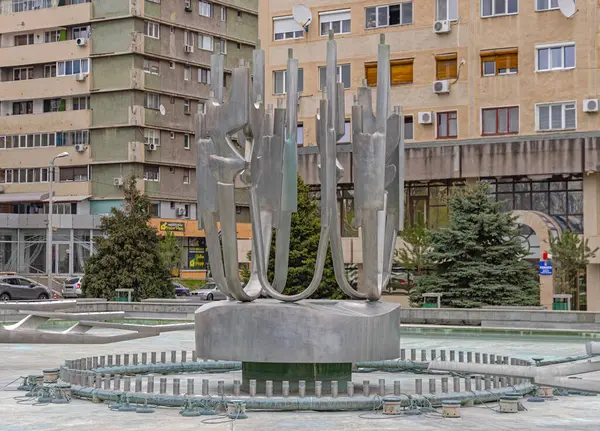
(72, 288)
(14, 287)
(180, 289)
(209, 292)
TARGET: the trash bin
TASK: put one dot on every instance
(562, 306)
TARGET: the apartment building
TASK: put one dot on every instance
(502, 91)
(115, 84)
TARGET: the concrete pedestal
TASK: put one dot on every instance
(308, 340)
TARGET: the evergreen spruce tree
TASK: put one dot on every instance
(128, 255)
(478, 258)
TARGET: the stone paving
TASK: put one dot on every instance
(573, 413)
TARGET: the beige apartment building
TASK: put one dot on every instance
(115, 84)
(504, 91)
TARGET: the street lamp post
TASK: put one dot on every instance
(50, 231)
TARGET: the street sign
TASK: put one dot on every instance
(545, 267)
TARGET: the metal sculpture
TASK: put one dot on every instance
(242, 140)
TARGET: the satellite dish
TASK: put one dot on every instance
(302, 15)
(163, 111)
(567, 7)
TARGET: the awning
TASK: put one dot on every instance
(7, 198)
(67, 198)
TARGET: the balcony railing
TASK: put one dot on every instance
(15, 6)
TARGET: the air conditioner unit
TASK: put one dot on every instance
(590, 105)
(80, 77)
(441, 27)
(152, 147)
(188, 5)
(81, 41)
(440, 87)
(180, 212)
(80, 148)
(425, 117)
(118, 181)
(188, 48)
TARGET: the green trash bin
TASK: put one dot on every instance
(560, 306)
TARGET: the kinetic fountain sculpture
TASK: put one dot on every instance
(243, 140)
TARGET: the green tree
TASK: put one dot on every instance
(570, 255)
(478, 257)
(304, 242)
(127, 256)
(170, 252)
(413, 254)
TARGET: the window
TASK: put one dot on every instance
(499, 62)
(204, 76)
(447, 10)
(50, 70)
(152, 29)
(172, 64)
(74, 137)
(154, 209)
(389, 15)
(186, 142)
(223, 13)
(556, 116)
(447, 126)
(280, 81)
(239, 13)
(546, 5)
(446, 66)
(238, 45)
(500, 121)
(72, 67)
(401, 72)
(186, 210)
(152, 136)
(78, 32)
(408, 127)
(151, 173)
(22, 108)
(52, 36)
(188, 39)
(287, 28)
(343, 73)
(81, 103)
(151, 66)
(499, 7)
(27, 141)
(205, 42)
(187, 106)
(24, 39)
(152, 101)
(172, 135)
(77, 173)
(337, 20)
(25, 175)
(347, 138)
(187, 73)
(186, 176)
(555, 57)
(205, 9)
(201, 108)
(300, 134)
(22, 73)
(223, 46)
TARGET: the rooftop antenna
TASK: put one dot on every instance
(302, 15)
(567, 7)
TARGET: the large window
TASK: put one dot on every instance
(287, 28)
(186, 176)
(24, 39)
(446, 66)
(22, 108)
(555, 57)
(152, 29)
(280, 81)
(25, 175)
(75, 173)
(73, 137)
(205, 42)
(187, 72)
(446, 10)
(72, 67)
(343, 74)
(500, 121)
(53, 36)
(151, 66)
(204, 76)
(50, 70)
(499, 61)
(38, 140)
(151, 173)
(152, 136)
(389, 15)
(491, 8)
(152, 101)
(205, 9)
(546, 5)
(55, 105)
(22, 73)
(337, 20)
(556, 116)
(447, 124)
(78, 32)
(401, 72)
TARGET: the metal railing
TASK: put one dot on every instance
(26, 5)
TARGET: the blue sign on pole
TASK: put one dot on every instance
(545, 267)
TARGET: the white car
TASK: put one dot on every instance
(209, 293)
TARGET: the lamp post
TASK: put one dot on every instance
(50, 232)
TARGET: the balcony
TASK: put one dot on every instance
(40, 157)
(44, 88)
(42, 53)
(40, 14)
(40, 221)
(46, 122)
(73, 188)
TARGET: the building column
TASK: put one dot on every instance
(591, 231)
